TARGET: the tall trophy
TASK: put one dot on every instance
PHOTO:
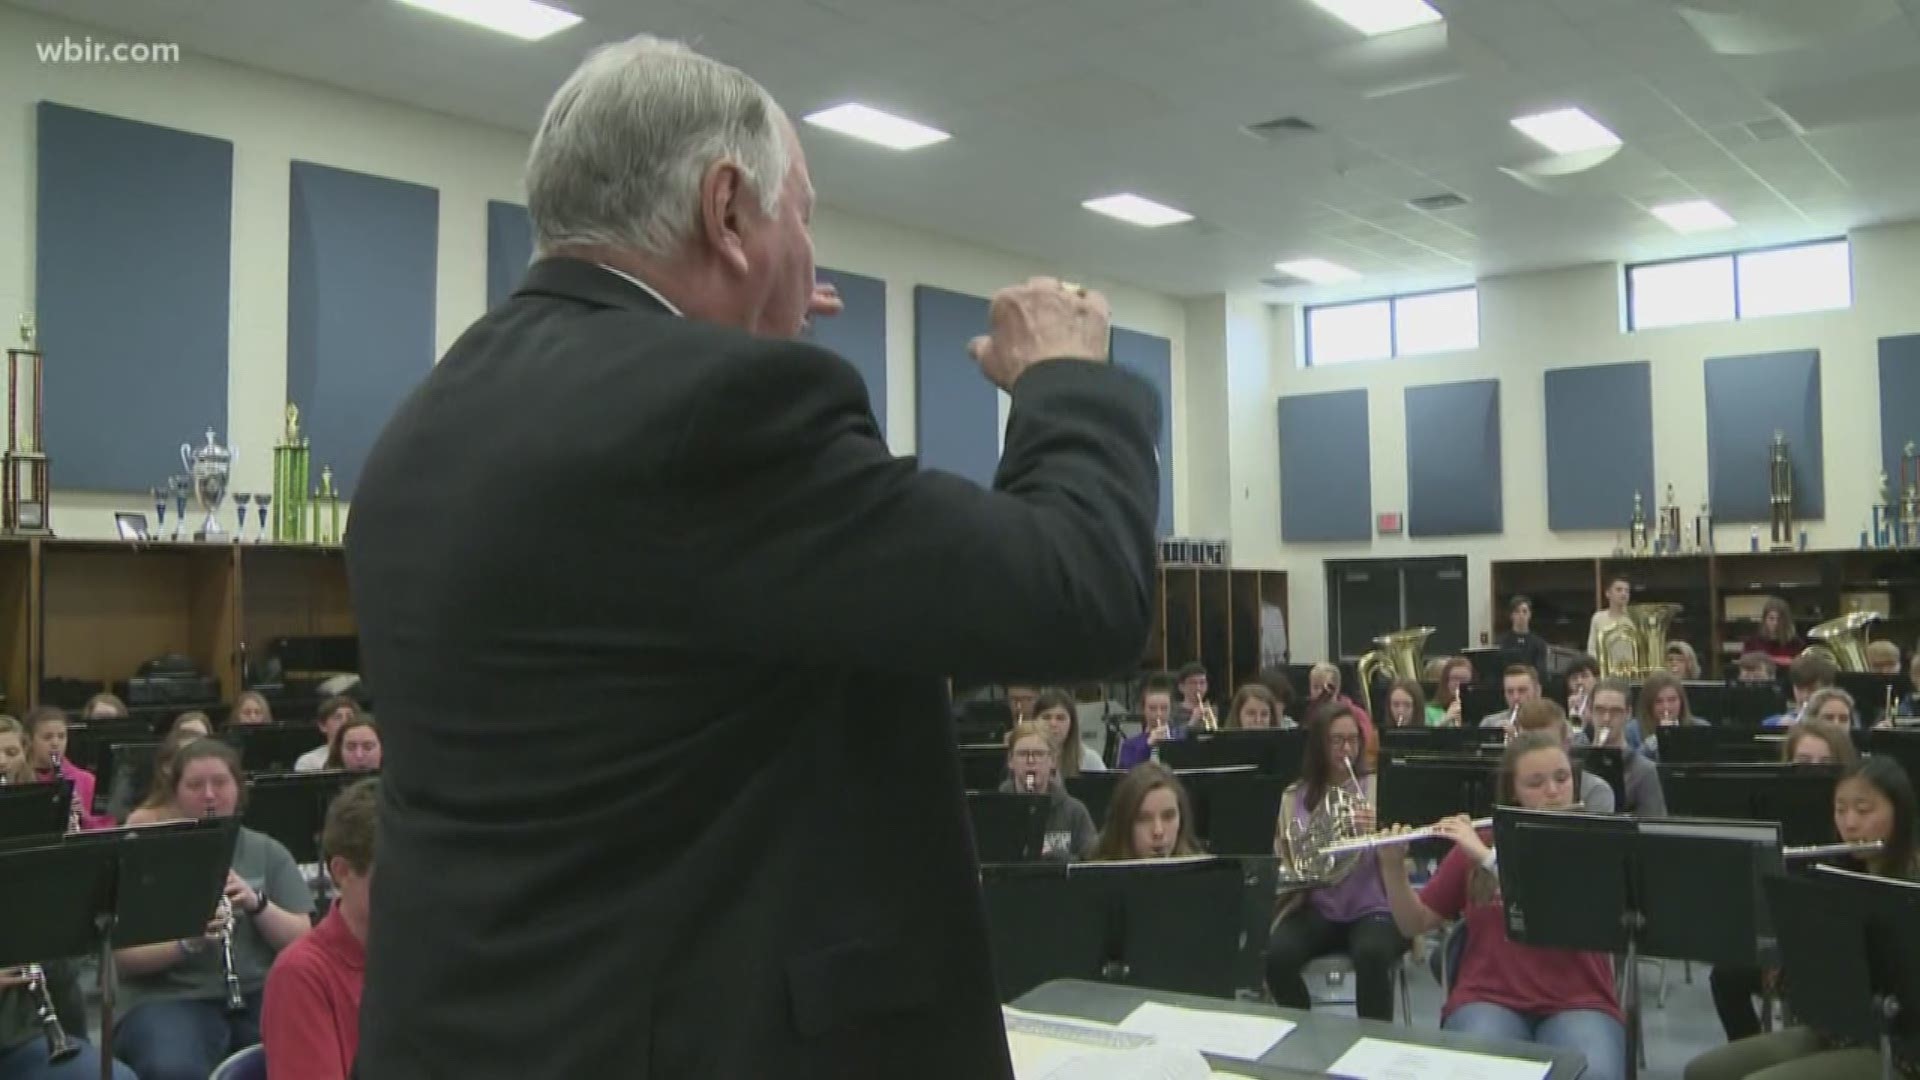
(24, 490)
(210, 466)
(1703, 528)
(326, 509)
(1909, 497)
(291, 460)
(1637, 544)
(1669, 542)
(1780, 494)
(1882, 530)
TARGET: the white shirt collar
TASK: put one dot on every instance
(645, 288)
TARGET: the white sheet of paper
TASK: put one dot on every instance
(1381, 1059)
(1062, 1048)
(1233, 1035)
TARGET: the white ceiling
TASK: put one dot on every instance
(1054, 101)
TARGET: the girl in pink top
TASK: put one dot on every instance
(46, 745)
(1501, 989)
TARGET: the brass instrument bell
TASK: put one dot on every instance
(1637, 646)
(1398, 656)
(1843, 640)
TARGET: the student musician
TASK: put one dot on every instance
(1055, 711)
(1406, 704)
(250, 709)
(1873, 800)
(334, 712)
(1254, 708)
(1619, 594)
(1020, 701)
(26, 1042)
(355, 745)
(1191, 682)
(1816, 742)
(1663, 703)
(1156, 723)
(1582, 675)
(175, 1024)
(1032, 767)
(1544, 717)
(1150, 817)
(1519, 644)
(158, 805)
(1755, 667)
(46, 749)
(1323, 685)
(1807, 675)
(103, 707)
(1349, 915)
(1641, 792)
(1682, 662)
(1883, 657)
(310, 1018)
(1519, 684)
(193, 720)
(14, 768)
(1775, 638)
(1502, 989)
(1456, 674)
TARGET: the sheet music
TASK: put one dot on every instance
(1233, 1035)
(1380, 1059)
(1062, 1048)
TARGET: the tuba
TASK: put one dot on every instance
(1843, 640)
(1398, 656)
(1637, 647)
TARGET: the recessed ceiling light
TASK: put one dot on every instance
(1374, 17)
(879, 128)
(1566, 131)
(1136, 210)
(527, 20)
(1692, 216)
(1318, 271)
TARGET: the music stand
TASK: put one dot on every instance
(34, 811)
(1851, 956)
(1900, 744)
(272, 748)
(1609, 763)
(1419, 789)
(1750, 705)
(1272, 751)
(1707, 700)
(1160, 934)
(982, 767)
(1095, 792)
(292, 807)
(113, 889)
(1237, 810)
(1694, 745)
(1470, 739)
(1870, 692)
(1799, 797)
(1008, 826)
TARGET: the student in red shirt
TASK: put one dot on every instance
(1504, 990)
(310, 1022)
(47, 748)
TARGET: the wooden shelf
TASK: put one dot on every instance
(1212, 614)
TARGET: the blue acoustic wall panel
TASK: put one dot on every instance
(1899, 403)
(1453, 459)
(1599, 444)
(360, 306)
(958, 412)
(1326, 478)
(132, 266)
(1748, 399)
(509, 248)
(858, 334)
(1151, 358)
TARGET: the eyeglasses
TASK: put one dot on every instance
(1343, 740)
(1032, 755)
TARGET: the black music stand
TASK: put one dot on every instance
(1419, 789)
(1694, 745)
(1008, 826)
(1750, 705)
(1851, 952)
(86, 742)
(1871, 691)
(1095, 792)
(1705, 699)
(1609, 763)
(270, 748)
(1236, 811)
(1900, 744)
(34, 811)
(114, 889)
(292, 807)
(1470, 739)
(1273, 751)
(1799, 797)
(982, 767)
(126, 773)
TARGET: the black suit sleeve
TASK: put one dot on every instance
(816, 544)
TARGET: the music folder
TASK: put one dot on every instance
(34, 812)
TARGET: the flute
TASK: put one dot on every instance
(1845, 847)
(1377, 840)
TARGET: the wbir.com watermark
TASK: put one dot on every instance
(89, 50)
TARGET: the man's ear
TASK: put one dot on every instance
(723, 191)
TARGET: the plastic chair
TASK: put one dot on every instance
(1335, 968)
(248, 1064)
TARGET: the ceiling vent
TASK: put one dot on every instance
(1286, 127)
(1446, 200)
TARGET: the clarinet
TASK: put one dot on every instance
(59, 1047)
(236, 1002)
(73, 792)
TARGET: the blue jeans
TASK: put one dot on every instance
(28, 1061)
(184, 1039)
(1598, 1036)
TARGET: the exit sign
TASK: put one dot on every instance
(1388, 524)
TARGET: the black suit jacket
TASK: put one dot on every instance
(659, 630)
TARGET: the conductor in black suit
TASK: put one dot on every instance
(659, 630)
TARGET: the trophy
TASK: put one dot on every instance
(263, 501)
(291, 460)
(1910, 497)
(159, 511)
(180, 486)
(240, 501)
(326, 509)
(209, 467)
(1638, 541)
(1780, 494)
(1881, 531)
(1703, 528)
(1670, 524)
(24, 490)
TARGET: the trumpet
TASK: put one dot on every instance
(59, 1047)
(1821, 851)
(236, 1002)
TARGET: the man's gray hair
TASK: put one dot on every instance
(620, 153)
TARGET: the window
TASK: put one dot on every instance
(1411, 325)
(1741, 285)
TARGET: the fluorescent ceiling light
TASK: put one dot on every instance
(874, 126)
(1566, 131)
(524, 19)
(1318, 271)
(1136, 210)
(1374, 17)
(1692, 216)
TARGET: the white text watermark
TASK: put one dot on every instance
(88, 50)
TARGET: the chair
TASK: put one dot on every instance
(1334, 969)
(248, 1064)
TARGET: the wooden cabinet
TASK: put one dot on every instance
(1213, 615)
